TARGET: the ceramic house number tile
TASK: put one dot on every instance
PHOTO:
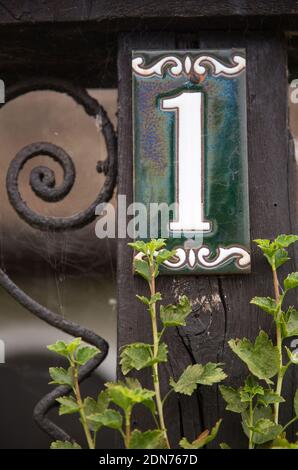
(190, 157)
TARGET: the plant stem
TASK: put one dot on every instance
(155, 366)
(127, 428)
(81, 406)
(251, 422)
(278, 344)
(289, 423)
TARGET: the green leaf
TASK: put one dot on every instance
(265, 303)
(175, 315)
(291, 281)
(281, 257)
(103, 401)
(164, 255)
(225, 446)
(85, 353)
(252, 387)
(265, 430)
(291, 325)
(126, 395)
(139, 355)
(142, 268)
(65, 349)
(284, 241)
(274, 252)
(156, 245)
(233, 399)
(90, 406)
(65, 445)
(262, 243)
(269, 398)
(61, 376)
(109, 419)
(60, 347)
(293, 356)
(152, 439)
(68, 405)
(283, 443)
(261, 357)
(198, 374)
(139, 246)
(154, 298)
(73, 345)
(296, 402)
(203, 439)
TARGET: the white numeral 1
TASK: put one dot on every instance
(189, 154)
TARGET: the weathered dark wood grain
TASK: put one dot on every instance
(221, 308)
(15, 11)
(79, 54)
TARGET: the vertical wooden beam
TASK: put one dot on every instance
(221, 308)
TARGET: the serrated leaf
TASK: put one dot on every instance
(291, 325)
(285, 241)
(60, 347)
(143, 299)
(265, 303)
(274, 252)
(109, 419)
(280, 258)
(156, 245)
(291, 281)
(139, 355)
(262, 243)
(103, 401)
(265, 430)
(198, 374)
(175, 315)
(152, 439)
(92, 407)
(73, 345)
(126, 395)
(65, 445)
(164, 255)
(89, 406)
(269, 397)
(203, 439)
(154, 298)
(139, 246)
(85, 353)
(261, 357)
(61, 376)
(142, 268)
(68, 405)
(233, 399)
(296, 402)
(252, 387)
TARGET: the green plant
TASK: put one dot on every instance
(258, 400)
(114, 406)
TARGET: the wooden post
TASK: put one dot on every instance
(221, 308)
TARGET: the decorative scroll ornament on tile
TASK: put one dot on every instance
(200, 65)
(199, 257)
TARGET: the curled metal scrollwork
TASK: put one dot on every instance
(42, 181)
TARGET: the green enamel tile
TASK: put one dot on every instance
(218, 84)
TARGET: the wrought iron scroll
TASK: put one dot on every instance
(42, 182)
